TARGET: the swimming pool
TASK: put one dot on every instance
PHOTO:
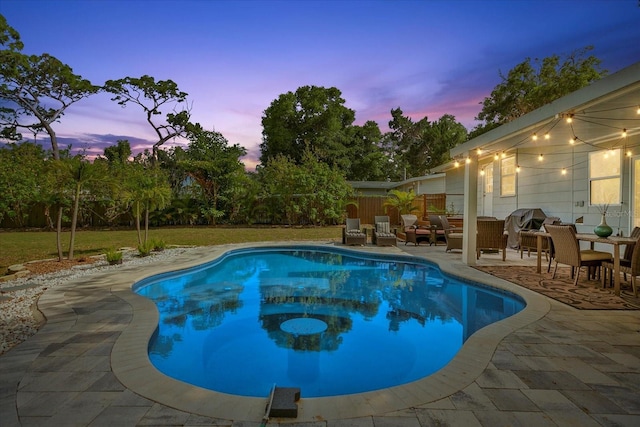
(331, 322)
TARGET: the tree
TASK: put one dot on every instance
(368, 161)
(530, 86)
(312, 117)
(36, 91)
(213, 164)
(416, 147)
(152, 97)
(21, 173)
(9, 37)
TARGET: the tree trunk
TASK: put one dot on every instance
(146, 225)
(59, 233)
(137, 215)
(74, 220)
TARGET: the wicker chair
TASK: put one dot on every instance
(491, 235)
(452, 235)
(438, 229)
(414, 233)
(528, 240)
(382, 235)
(567, 251)
(352, 234)
(628, 265)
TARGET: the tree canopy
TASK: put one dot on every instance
(530, 85)
(311, 117)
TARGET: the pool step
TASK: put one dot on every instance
(284, 402)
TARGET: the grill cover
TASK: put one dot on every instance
(523, 219)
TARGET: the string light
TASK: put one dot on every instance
(496, 157)
(624, 133)
(547, 136)
(564, 171)
(479, 151)
(540, 157)
(517, 168)
(534, 137)
(503, 155)
(468, 160)
(456, 164)
(638, 112)
(573, 140)
(629, 153)
(570, 118)
(482, 172)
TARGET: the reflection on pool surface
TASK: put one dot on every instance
(330, 322)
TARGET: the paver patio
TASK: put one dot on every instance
(559, 366)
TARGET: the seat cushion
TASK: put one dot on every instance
(382, 227)
(589, 255)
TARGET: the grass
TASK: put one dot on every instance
(17, 247)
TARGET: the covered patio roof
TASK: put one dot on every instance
(596, 115)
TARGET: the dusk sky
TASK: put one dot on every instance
(234, 58)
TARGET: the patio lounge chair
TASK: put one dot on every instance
(382, 235)
(491, 236)
(629, 266)
(567, 251)
(414, 233)
(352, 234)
(452, 235)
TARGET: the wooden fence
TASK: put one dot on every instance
(367, 207)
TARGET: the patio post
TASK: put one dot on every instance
(470, 209)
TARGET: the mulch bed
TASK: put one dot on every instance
(587, 295)
(51, 266)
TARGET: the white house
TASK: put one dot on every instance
(571, 158)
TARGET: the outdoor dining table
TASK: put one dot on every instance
(616, 241)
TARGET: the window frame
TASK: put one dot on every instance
(600, 178)
(513, 175)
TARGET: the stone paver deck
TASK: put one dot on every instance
(550, 365)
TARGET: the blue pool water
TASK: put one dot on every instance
(330, 322)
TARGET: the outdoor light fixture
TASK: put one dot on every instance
(547, 136)
(456, 163)
(468, 160)
(534, 137)
(573, 140)
(569, 118)
(624, 133)
(482, 172)
(540, 157)
(564, 171)
(496, 157)
(518, 169)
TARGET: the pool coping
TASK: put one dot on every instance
(131, 365)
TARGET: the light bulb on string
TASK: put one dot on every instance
(482, 172)
(573, 140)
(570, 118)
(564, 171)
(468, 160)
(456, 164)
(479, 151)
(547, 136)
(624, 133)
(496, 157)
(534, 137)
(638, 111)
(517, 168)
(629, 153)
(504, 154)
(540, 158)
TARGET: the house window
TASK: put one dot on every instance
(508, 176)
(604, 177)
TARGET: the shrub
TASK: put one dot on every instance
(145, 248)
(113, 256)
(158, 245)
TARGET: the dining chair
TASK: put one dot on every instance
(629, 266)
(567, 251)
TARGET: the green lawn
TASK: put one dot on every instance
(20, 246)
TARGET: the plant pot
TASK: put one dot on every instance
(602, 229)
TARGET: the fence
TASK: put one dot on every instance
(367, 207)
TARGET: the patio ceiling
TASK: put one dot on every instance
(599, 114)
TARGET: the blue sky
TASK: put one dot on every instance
(234, 58)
